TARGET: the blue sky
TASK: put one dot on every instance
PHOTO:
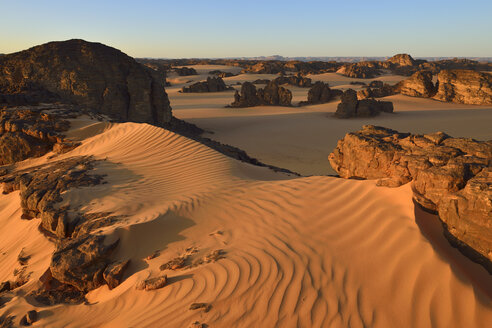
(216, 28)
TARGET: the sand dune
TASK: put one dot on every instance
(308, 252)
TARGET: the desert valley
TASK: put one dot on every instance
(243, 192)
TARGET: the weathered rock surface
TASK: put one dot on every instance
(296, 80)
(31, 132)
(319, 93)
(85, 73)
(418, 85)
(464, 86)
(358, 70)
(272, 94)
(152, 283)
(350, 106)
(221, 74)
(185, 71)
(383, 91)
(114, 273)
(452, 176)
(212, 84)
(402, 60)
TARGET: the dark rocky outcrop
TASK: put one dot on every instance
(212, 84)
(383, 91)
(272, 94)
(32, 132)
(358, 70)
(295, 80)
(221, 74)
(351, 107)
(85, 73)
(451, 176)
(320, 93)
(185, 71)
(464, 86)
(261, 81)
(418, 85)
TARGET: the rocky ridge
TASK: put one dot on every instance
(212, 84)
(272, 94)
(450, 176)
(84, 73)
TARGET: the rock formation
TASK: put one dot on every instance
(85, 73)
(402, 60)
(221, 74)
(358, 70)
(296, 80)
(418, 85)
(185, 71)
(320, 93)
(351, 107)
(212, 84)
(383, 91)
(272, 94)
(452, 176)
(464, 86)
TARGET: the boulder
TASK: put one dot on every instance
(185, 71)
(384, 91)
(89, 74)
(113, 274)
(272, 94)
(212, 84)
(465, 87)
(418, 85)
(450, 176)
(319, 93)
(351, 107)
(152, 283)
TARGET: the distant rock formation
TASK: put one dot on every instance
(402, 60)
(212, 84)
(358, 70)
(351, 107)
(452, 176)
(272, 94)
(221, 74)
(295, 80)
(185, 71)
(85, 73)
(464, 86)
(320, 93)
(418, 85)
(261, 81)
(383, 91)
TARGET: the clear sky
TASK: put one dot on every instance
(229, 28)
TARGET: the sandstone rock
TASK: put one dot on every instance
(319, 93)
(449, 175)
(197, 306)
(5, 286)
(418, 85)
(376, 84)
(359, 71)
(261, 81)
(214, 84)
(28, 132)
(221, 74)
(464, 86)
(402, 60)
(384, 91)
(90, 74)
(351, 107)
(185, 71)
(81, 262)
(114, 273)
(296, 80)
(29, 318)
(272, 94)
(152, 283)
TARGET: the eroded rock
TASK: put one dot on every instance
(272, 94)
(464, 86)
(350, 106)
(212, 84)
(451, 176)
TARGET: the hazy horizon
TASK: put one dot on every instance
(225, 29)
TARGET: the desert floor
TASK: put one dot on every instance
(311, 251)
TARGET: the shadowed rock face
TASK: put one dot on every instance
(320, 93)
(452, 176)
(464, 86)
(85, 73)
(272, 94)
(351, 107)
(185, 71)
(418, 85)
(296, 80)
(212, 84)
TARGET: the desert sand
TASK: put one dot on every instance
(309, 251)
(300, 138)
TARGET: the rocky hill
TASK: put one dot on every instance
(88, 74)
